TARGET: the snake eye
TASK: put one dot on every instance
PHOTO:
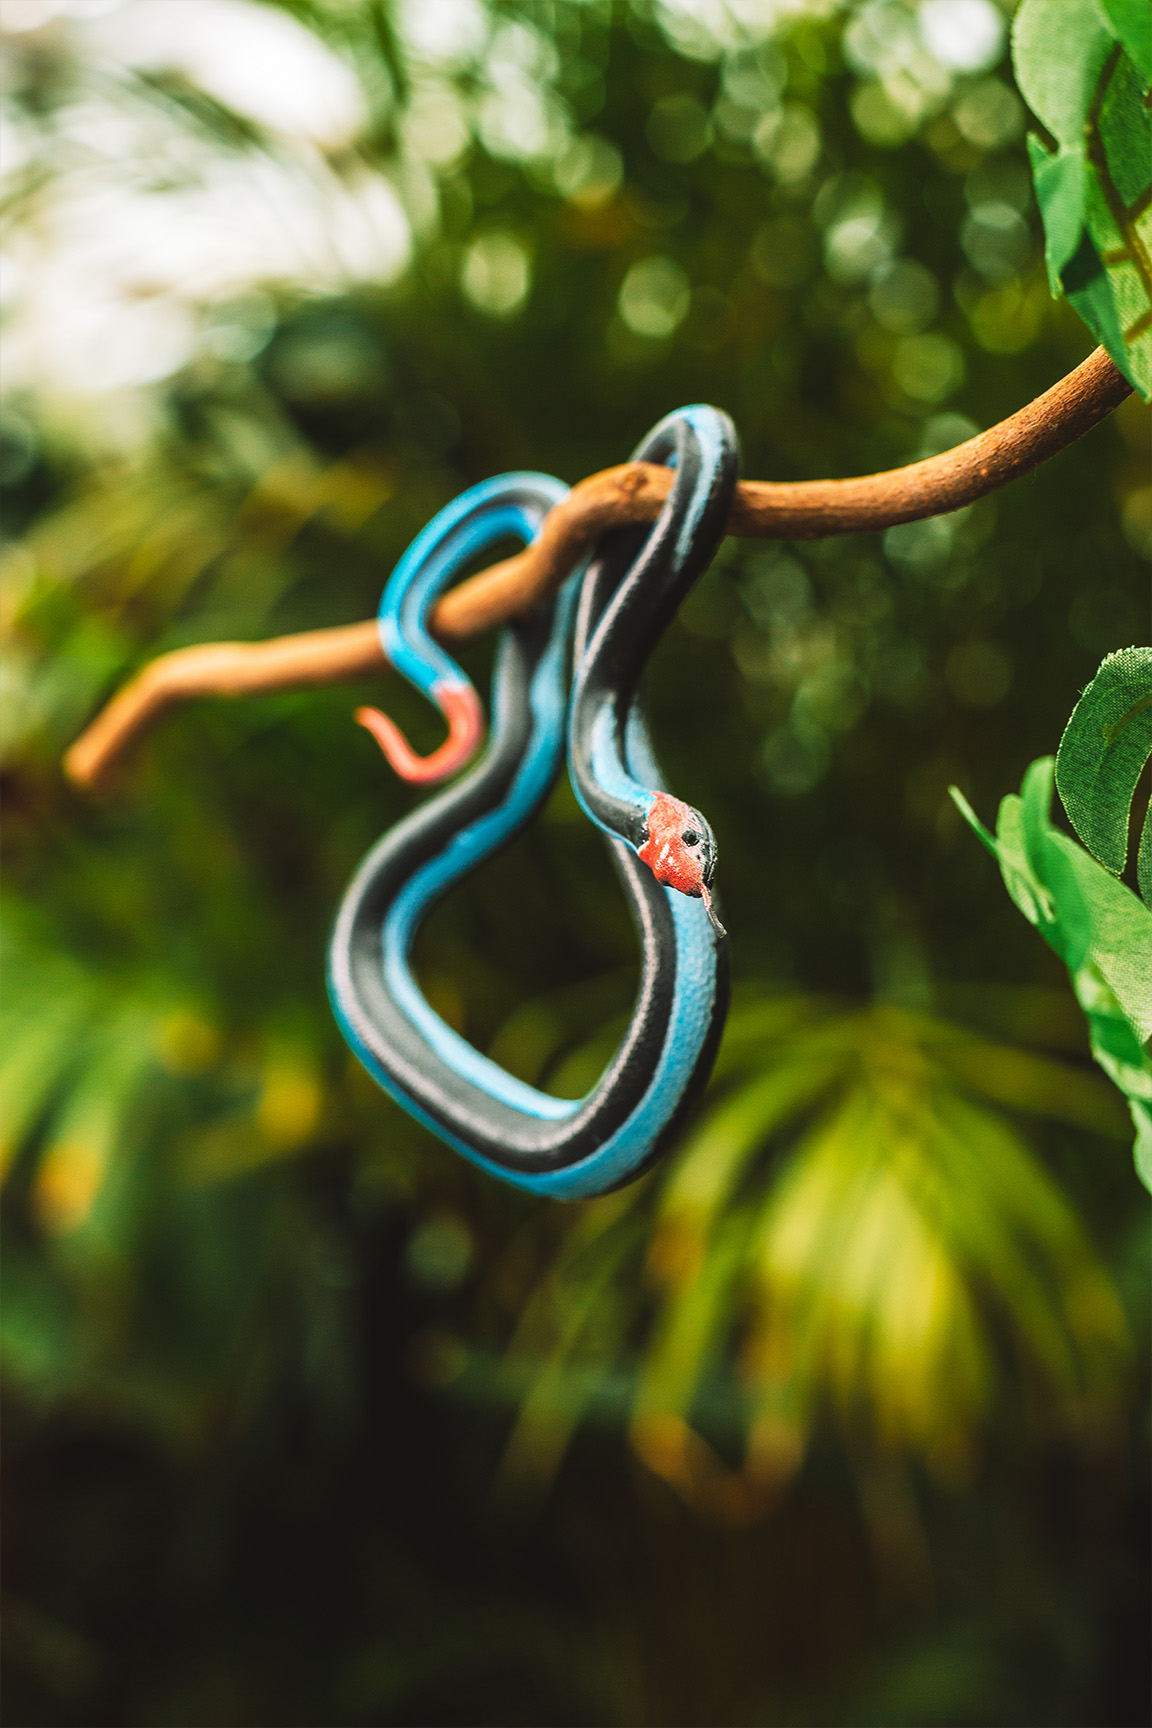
(690, 837)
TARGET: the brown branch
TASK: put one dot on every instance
(618, 497)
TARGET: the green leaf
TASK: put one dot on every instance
(1008, 847)
(1116, 925)
(1096, 920)
(1059, 181)
(1035, 803)
(1020, 826)
(986, 838)
(715, 1154)
(1087, 290)
(1130, 21)
(1059, 48)
(1083, 68)
(684, 1335)
(1099, 928)
(1119, 209)
(89, 1142)
(38, 1060)
(1142, 1152)
(1102, 754)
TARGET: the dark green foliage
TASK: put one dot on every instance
(1104, 751)
(1085, 69)
(1093, 921)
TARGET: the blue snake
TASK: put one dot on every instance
(604, 620)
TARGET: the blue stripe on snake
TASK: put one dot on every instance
(606, 619)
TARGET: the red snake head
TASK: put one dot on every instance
(680, 851)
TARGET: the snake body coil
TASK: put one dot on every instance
(609, 618)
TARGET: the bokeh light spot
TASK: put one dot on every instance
(997, 241)
(589, 172)
(965, 35)
(654, 297)
(989, 114)
(928, 368)
(496, 274)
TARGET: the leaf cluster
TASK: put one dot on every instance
(1096, 924)
(1085, 69)
(853, 1229)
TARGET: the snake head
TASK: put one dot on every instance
(680, 851)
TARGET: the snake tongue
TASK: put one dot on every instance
(708, 907)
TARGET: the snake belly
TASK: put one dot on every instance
(609, 617)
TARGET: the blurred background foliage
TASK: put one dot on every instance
(836, 1416)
